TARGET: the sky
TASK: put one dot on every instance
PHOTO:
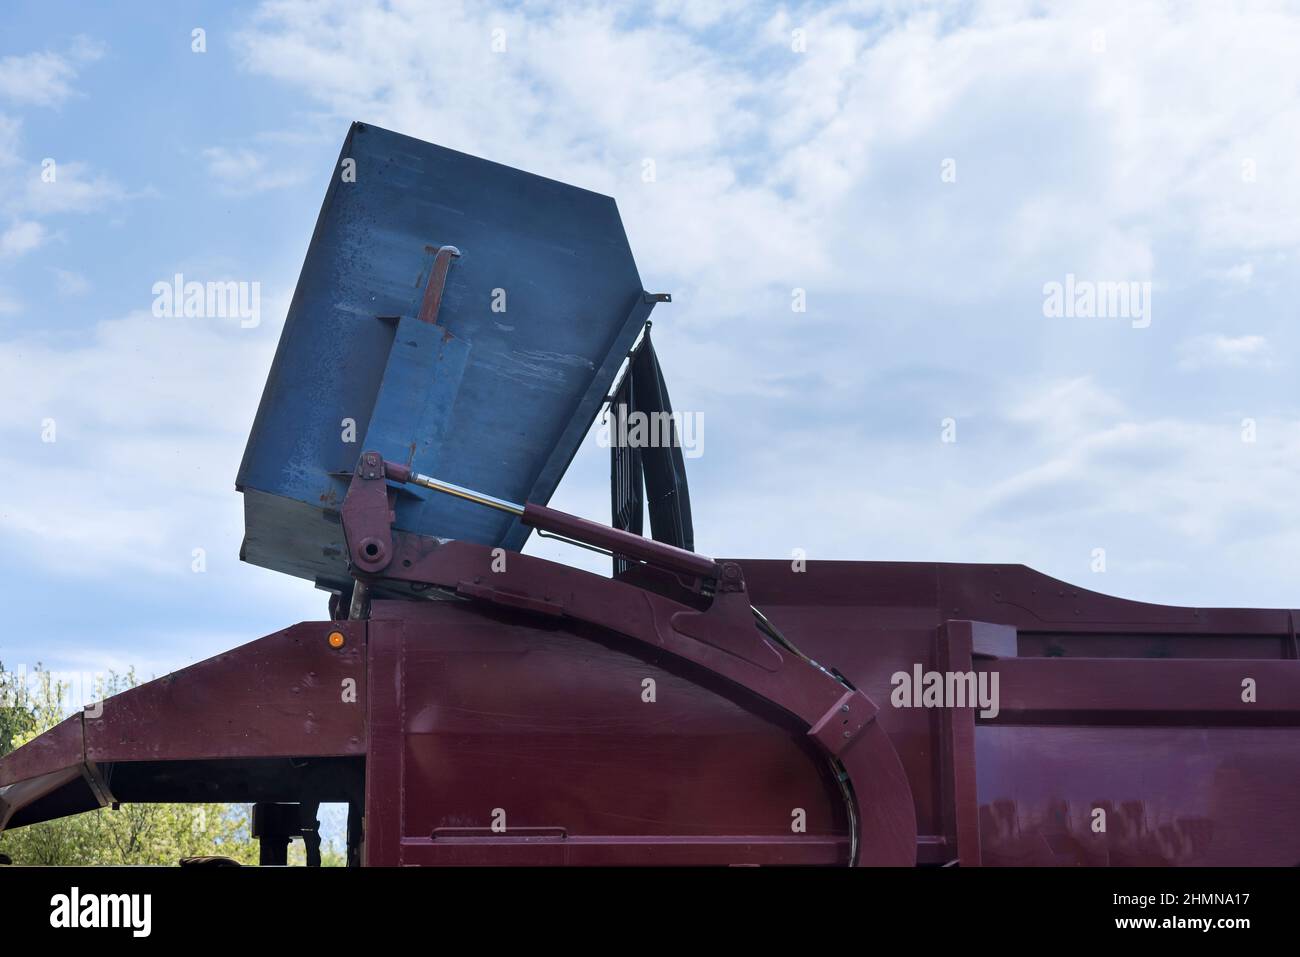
(859, 209)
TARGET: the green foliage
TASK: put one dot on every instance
(133, 834)
(18, 722)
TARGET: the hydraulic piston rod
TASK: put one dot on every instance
(569, 526)
(479, 498)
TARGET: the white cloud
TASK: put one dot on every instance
(9, 131)
(1063, 410)
(1241, 273)
(45, 78)
(145, 413)
(703, 14)
(242, 171)
(1214, 350)
(22, 237)
(819, 170)
(76, 188)
(70, 283)
(33, 191)
(771, 162)
(1159, 159)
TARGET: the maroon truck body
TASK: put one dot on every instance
(481, 733)
(474, 705)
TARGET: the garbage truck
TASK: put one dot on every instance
(457, 329)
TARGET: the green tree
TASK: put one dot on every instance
(18, 721)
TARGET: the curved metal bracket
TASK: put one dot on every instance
(724, 639)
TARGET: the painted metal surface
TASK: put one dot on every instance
(280, 695)
(549, 735)
(469, 706)
(283, 696)
(1106, 703)
(430, 372)
(525, 712)
(724, 639)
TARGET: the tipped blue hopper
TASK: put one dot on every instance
(537, 312)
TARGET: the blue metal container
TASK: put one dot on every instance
(537, 313)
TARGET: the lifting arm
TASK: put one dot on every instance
(724, 639)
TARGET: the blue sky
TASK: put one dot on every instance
(795, 147)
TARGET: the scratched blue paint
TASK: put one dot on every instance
(496, 401)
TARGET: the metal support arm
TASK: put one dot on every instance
(724, 639)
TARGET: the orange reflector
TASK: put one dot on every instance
(336, 639)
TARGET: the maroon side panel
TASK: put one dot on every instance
(925, 594)
(60, 747)
(869, 645)
(282, 695)
(546, 733)
(1202, 692)
(956, 747)
(384, 749)
(1106, 703)
(1142, 762)
(561, 850)
(1171, 796)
